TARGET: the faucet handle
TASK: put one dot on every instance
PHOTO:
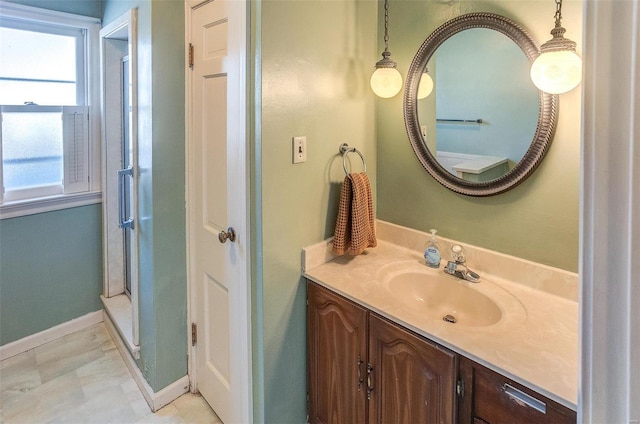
(457, 254)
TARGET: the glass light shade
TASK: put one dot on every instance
(557, 72)
(386, 82)
(426, 85)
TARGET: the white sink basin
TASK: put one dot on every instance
(445, 297)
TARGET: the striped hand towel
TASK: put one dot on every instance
(355, 226)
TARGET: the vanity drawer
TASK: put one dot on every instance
(499, 400)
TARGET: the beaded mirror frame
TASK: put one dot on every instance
(547, 110)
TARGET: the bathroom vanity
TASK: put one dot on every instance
(361, 365)
(380, 352)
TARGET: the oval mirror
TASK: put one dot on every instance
(485, 127)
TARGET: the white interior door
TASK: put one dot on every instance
(217, 200)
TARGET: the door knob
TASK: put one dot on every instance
(230, 234)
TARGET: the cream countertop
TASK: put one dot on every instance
(536, 341)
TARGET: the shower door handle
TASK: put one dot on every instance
(123, 222)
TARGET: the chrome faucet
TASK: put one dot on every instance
(457, 266)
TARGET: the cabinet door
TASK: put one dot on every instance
(412, 380)
(337, 338)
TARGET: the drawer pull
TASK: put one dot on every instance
(521, 398)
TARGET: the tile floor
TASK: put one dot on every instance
(81, 378)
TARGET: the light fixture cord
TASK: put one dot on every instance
(386, 25)
(558, 15)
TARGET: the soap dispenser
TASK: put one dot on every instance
(432, 251)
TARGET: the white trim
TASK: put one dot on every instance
(92, 75)
(156, 400)
(241, 329)
(609, 219)
(30, 342)
(37, 14)
(25, 194)
(191, 357)
(48, 204)
(170, 393)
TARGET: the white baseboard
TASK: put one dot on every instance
(30, 342)
(156, 400)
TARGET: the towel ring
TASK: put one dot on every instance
(345, 150)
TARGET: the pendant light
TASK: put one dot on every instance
(386, 81)
(425, 87)
(558, 69)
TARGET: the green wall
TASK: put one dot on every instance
(161, 185)
(167, 167)
(537, 220)
(317, 57)
(50, 269)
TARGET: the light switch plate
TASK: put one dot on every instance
(299, 149)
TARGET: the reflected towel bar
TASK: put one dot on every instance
(466, 121)
(344, 151)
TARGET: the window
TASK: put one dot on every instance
(48, 129)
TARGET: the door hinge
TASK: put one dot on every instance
(190, 55)
(460, 388)
(194, 334)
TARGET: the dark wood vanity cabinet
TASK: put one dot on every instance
(337, 355)
(398, 378)
(364, 368)
(491, 398)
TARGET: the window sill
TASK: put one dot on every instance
(48, 204)
(119, 310)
